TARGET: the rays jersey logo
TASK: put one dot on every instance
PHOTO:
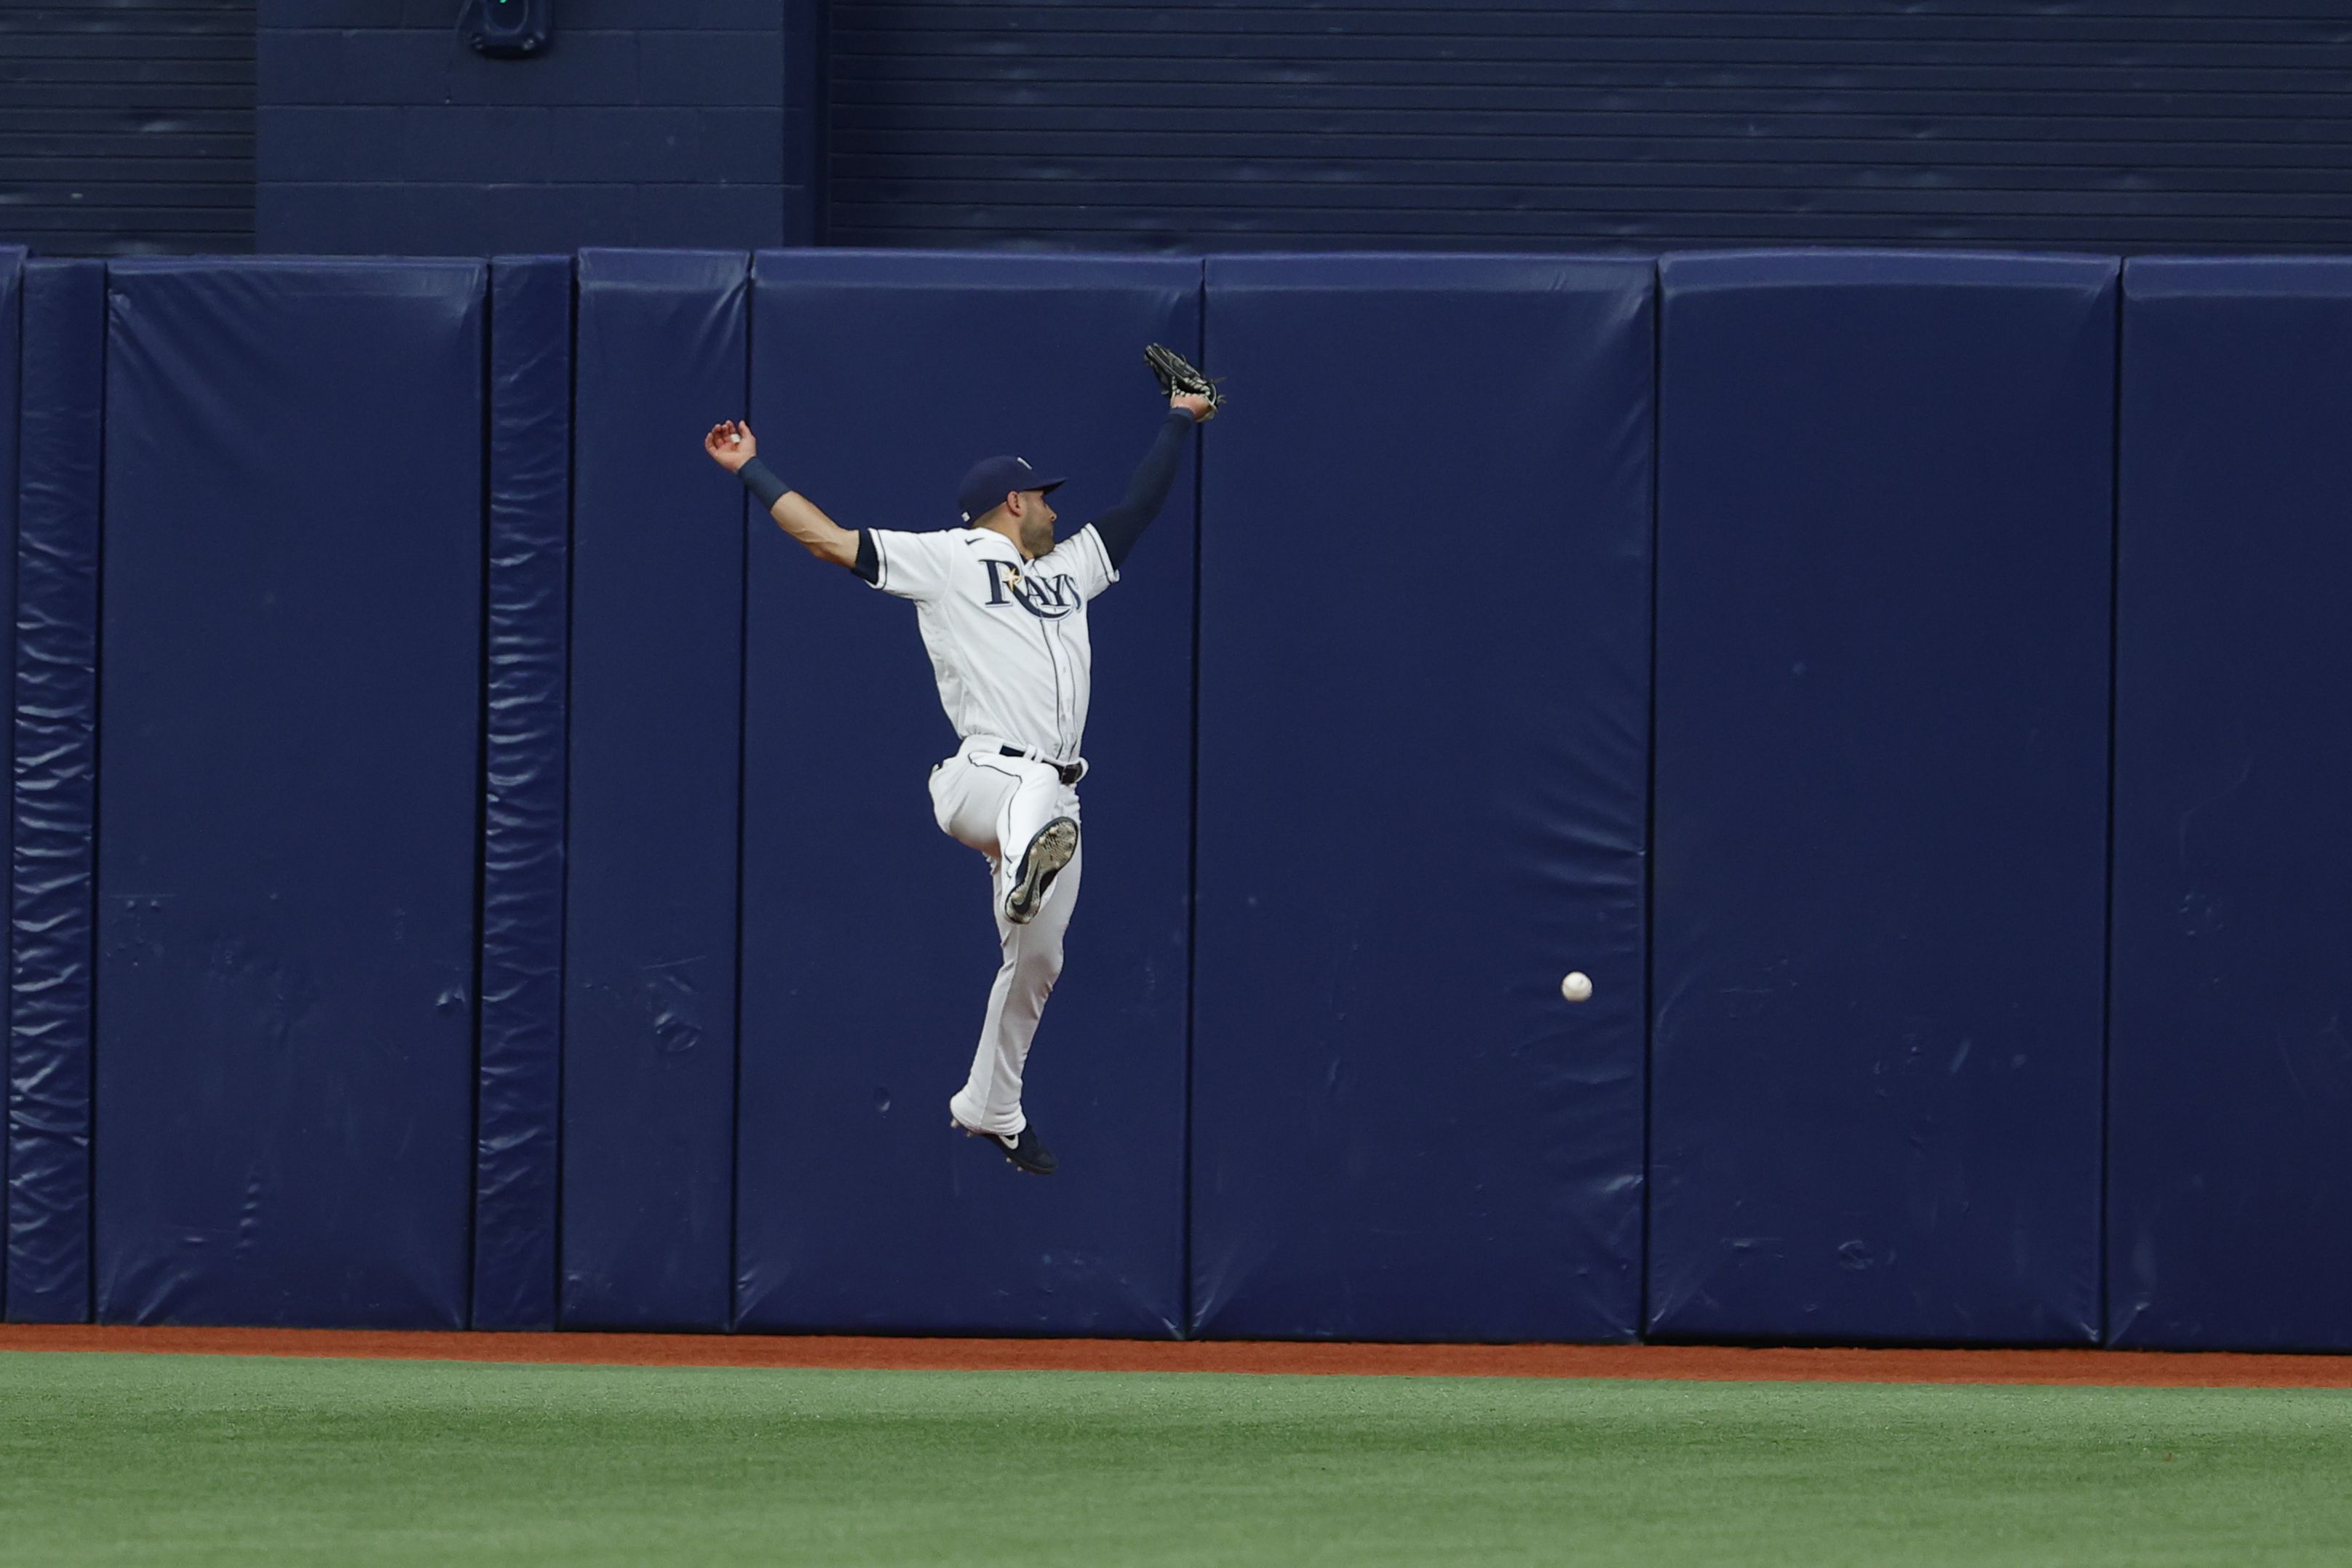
(1048, 599)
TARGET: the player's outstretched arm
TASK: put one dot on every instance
(1124, 524)
(733, 447)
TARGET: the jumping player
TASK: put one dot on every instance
(1002, 611)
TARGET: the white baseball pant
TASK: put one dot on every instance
(996, 804)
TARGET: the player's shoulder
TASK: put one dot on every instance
(1083, 555)
(914, 563)
(956, 540)
(940, 547)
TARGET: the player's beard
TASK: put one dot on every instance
(1037, 536)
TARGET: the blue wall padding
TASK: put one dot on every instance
(1424, 719)
(54, 784)
(1884, 548)
(2229, 1167)
(290, 727)
(868, 941)
(648, 1148)
(522, 812)
(12, 269)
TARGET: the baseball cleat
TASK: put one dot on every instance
(1023, 1149)
(1041, 862)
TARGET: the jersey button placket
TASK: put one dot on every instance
(1063, 680)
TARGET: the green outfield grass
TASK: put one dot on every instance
(173, 1459)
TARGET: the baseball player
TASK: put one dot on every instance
(1003, 609)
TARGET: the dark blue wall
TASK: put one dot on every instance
(127, 128)
(55, 494)
(2129, 125)
(650, 904)
(1421, 783)
(1588, 124)
(2229, 1082)
(1884, 523)
(289, 791)
(643, 125)
(1908, 995)
(863, 367)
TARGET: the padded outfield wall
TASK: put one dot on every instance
(467, 867)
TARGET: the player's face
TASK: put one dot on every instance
(1036, 523)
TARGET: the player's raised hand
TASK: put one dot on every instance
(1181, 380)
(731, 445)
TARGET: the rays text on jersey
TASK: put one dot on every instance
(1048, 599)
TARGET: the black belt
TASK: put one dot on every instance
(1070, 772)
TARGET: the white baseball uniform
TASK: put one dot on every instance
(1008, 643)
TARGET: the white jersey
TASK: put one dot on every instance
(1007, 636)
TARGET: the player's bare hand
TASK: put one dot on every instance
(731, 445)
(1199, 408)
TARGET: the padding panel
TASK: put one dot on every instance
(12, 275)
(287, 803)
(656, 652)
(53, 782)
(868, 941)
(1885, 532)
(1423, 728)
(522, 811)
(2230, 1111)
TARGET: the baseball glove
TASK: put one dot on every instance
(1179, 377)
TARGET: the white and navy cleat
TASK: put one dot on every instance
(1055, 843)
(1022, 1148)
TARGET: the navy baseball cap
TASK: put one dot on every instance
(993, 478)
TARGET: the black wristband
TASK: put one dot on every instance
(763, 484)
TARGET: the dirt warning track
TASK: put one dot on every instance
(2150, 1369)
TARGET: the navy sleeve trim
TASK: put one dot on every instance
(1119, 528)
(868, 564)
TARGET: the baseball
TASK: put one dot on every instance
(1577, 987)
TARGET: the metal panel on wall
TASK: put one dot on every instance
(1588, 124)
(640, 124)
(127, 128)
(1423, 745)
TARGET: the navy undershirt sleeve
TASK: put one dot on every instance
(1124, 524)
(867, 565)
